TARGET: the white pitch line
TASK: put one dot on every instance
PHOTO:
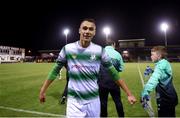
(142, 81)
(32, 112)
(140, 74)
(60, 74)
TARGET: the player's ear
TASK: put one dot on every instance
(95, 29)
(159, 55)
(95, 32)
(79, 30)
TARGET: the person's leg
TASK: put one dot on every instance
(75, 109)
(103, 93)
(65, 91)
(166, 111)
(93, 108)
(64, 95)
(115, 93)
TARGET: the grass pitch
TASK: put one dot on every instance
(20, 84)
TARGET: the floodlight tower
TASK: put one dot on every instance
(164, 28)
(66, 32)
(107, 31)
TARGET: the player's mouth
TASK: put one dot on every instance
(86, 36)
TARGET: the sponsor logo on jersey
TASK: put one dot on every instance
(83, 66)
(74, 56)
(93, 57)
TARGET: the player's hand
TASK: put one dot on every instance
(146, 74)
(42, 97)
(148, 71)
(144, 100)
(131, 99)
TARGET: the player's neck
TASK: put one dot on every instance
(84, 44)
(113, 46)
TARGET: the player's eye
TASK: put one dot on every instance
(85, 28)
(90, 28)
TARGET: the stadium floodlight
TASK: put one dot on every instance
(164, 28)
(66, 32)
(107, 31)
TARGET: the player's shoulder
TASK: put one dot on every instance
(70, 46)
(118, 55)
(163, 64)
(96, 45)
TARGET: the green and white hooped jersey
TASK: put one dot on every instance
(83, 68)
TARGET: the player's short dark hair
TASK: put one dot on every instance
(161, 50)
(110, 42)
(89, 20)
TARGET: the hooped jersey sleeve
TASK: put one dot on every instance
(106, 62)
(60, 62)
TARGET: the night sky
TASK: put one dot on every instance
(38, 25)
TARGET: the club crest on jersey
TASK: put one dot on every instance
(93, 57)
(74, 56)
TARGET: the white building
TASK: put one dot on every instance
(11, 54)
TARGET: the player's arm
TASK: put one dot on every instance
(123, 85)
(51, 77)
(152, 82)
(120, 82)
(43, 90)
(61, 61)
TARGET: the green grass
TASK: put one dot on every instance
(20, 84)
